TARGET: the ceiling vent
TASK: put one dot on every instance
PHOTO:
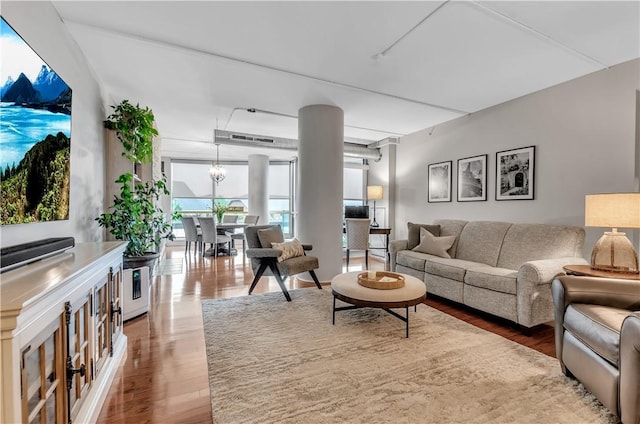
(241, 139)
(246, 137)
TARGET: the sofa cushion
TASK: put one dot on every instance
(531, 242)
(598, 327)
(481, 241)
(451, 227)
(293, 266)
(413, 237)
(497, 279)
(453, 269)
(433, 245)
(411, 259)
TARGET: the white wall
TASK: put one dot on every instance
(584, 133)
(39, 24)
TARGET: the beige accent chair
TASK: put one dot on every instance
(210, 235)
(264, 258)
(597, 335)
(190, 233)
(249, 220)
(357, 230)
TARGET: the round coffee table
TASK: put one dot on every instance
(345, 287)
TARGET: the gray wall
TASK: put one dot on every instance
(39, 24)
(584, 133)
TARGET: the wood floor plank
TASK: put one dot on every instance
(164, 378)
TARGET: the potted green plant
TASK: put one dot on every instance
(219, 209)
(134, 128)
(135, 215)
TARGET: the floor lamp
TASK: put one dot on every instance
(374, 193)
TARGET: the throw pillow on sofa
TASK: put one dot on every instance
(433, 245)
(290, 249)
(413, 238)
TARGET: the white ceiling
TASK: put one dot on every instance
(394, 67)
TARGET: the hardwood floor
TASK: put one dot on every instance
(164, 376)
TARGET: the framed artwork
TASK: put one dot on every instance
(472, 179)
(439, 182)
(515, 174)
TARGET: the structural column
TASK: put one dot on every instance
(259, 187)
(319, 191)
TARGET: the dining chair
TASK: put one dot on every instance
(210, 235)
(190, 233)
(249, 220)
(358, 237)
(229, 219)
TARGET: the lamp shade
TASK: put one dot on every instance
(612, 210)
(374, 192)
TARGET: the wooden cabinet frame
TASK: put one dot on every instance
(59, 356)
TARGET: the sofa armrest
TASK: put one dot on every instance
(613, 292)
(394, 247)
(630, 369)
(263, 252)
(545, 270)
(535, 304)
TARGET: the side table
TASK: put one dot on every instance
(585, 270)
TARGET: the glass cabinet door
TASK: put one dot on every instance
(42, 374)
(115, 282)
(101, 322)
(79, 352)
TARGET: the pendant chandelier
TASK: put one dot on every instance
(217, 172)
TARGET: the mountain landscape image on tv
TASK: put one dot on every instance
(35, 135)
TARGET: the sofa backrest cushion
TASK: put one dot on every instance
(481, 241)
(413, 238)
(530, 242)
(451, 227)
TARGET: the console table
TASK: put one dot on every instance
(61, 334)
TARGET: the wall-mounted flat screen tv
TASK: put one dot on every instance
(35, 135)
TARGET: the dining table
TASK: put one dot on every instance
(222, 228)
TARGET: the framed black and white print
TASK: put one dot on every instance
(472, 179)
(439, 182)
(515, 174)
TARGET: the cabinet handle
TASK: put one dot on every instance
(114, 310)
(72, 371)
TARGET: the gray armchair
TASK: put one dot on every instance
(597, 336)
(264, 258)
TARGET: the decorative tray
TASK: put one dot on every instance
(381, 280)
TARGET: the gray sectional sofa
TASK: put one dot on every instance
(501, 268)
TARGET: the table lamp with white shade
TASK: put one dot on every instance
(613, 252)
(374, 193)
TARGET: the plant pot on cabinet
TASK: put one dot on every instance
(139, 261)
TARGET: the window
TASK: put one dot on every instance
(280, 196)
(191, 191)
(234, 189)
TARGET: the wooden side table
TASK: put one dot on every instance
(585, 270)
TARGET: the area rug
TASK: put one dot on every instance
(273, 361)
